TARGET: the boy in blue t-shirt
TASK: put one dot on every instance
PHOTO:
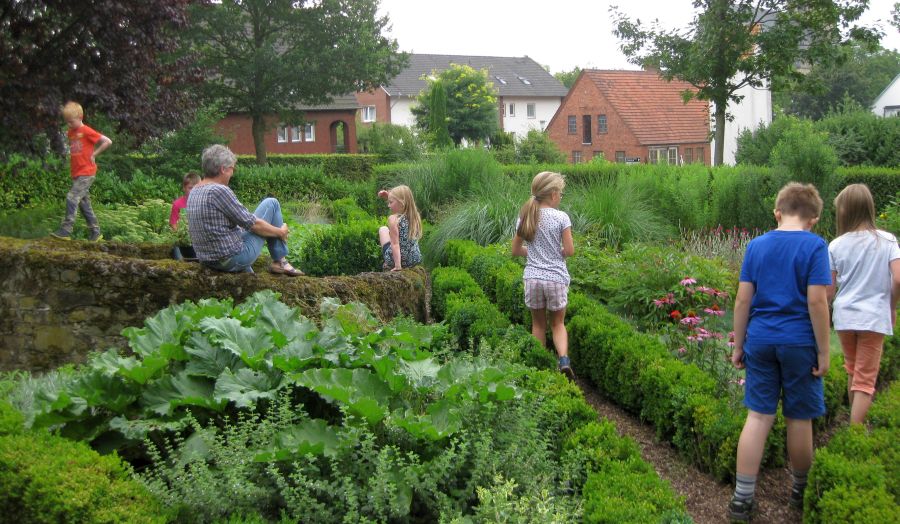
(781, 335)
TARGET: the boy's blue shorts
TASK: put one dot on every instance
(783, 372)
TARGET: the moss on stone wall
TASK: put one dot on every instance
(61, 299)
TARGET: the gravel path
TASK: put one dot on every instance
(707, 499)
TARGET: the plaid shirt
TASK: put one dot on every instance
(216, 222)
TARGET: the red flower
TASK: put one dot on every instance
(676, 315)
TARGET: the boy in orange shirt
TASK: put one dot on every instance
(84, 146)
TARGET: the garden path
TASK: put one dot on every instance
(706, 498)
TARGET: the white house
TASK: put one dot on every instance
(528, 95)
(753, 111)
(888, 102)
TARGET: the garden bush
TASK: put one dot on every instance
(341, 249)
(45, 478)
(349, 167)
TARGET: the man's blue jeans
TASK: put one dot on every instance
(270, 211)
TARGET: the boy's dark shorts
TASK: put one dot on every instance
(783, 372)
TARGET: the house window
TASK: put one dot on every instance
(598, 155)
(282, 134)
(512, 109)
(700, 157)
(620, 157)
(295, 134)
(543, 124)
(601, 124)
(688, 158)
(576, 157)
(309, 132)
(586, 129)
(573, 125)
(673, 156)
(368, 114)
(530, 110)
(658, 155)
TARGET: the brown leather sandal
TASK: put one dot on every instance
(284, 268)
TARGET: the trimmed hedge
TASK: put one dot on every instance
(355, 167)
(341, 249)
(856, 477)
(45, 478)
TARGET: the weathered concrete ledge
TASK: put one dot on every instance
(60, 300)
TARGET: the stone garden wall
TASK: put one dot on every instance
(60, 300)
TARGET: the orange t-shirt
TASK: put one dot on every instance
(81, 147)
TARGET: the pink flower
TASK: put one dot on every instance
(691, 320)
(687, 281)
(714, 310)
(703, 334)
(731, 344)
(682, 351)
(706, 290)
(741, 382)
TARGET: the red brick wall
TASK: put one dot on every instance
(585, 99)
(237, 128)
(380, 100)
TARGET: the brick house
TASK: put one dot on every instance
(329, 128)
(630, 116)
(528, 95)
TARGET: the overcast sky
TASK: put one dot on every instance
(560, 34)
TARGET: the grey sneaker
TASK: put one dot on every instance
(565, 367)
(61, 234)
(96, 236)
(741, 510)
(796, 499)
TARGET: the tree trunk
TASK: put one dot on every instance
(719, 155)
(259, 138)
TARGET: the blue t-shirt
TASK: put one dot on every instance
(780, 265)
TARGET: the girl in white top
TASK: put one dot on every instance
(865, 268)
(548, 234)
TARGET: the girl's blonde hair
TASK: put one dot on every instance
(403, 195)
(855, 208)
(543, 186)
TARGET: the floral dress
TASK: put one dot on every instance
(409, 247)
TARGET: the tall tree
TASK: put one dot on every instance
(735, 43)
(438, 129)
(267, 57)
(111, 56)
(861, 75)
(471, 103)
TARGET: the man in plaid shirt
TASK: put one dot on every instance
(225, 236)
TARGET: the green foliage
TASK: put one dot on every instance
(391, 142)
(860, 137)
(346, 210)
(27, 181)
(341, 249)
(630, 280)
(178, 152)
(289, 182)
(567, 78)
(616, 213)
(858, 74)
(46, 478)
(438, 130)
(471, 104)
(537, 148)
(745, 197)
(11, 421)
(806, 155)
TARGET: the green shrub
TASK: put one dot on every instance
(472, 318)
(11, 421)
(45, 478)
(537, 148)
(345, 210)
(341, 249)
(882, 181)
(348, 167)
(392, 143)
(446, 280)
(885, 412)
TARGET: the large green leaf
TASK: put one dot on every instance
(314, 437)
(108, 391)
(161, 333)
(284, 322)
(421, 373)
(246, 386)
(208, 360)
(295, 355)
(139, 429)
(359, 389)
(172, 391)
(250, 343)
(57, 407)
(440, 420)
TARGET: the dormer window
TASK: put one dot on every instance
(502, 81)
(524, 80)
